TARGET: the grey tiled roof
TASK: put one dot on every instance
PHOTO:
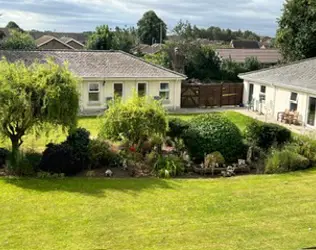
(268, 56)
(300, 75)
(96, 64)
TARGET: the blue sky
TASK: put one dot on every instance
(84, 15)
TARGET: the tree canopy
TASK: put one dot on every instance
(18, 41)
(297, 30)
(150, 27)
(185, 30)
(13, 25)
(101, 39)
(32, 96)
(105, 39)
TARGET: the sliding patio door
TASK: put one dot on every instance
(311, 111)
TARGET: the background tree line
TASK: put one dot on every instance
(201, 62)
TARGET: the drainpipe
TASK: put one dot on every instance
(274, 101)
(174, 93)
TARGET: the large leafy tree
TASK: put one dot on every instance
(124, 39)
(151, 28)
(202, 62)
(101, 39)
(18, 41)
(297, 30)
(32, 96)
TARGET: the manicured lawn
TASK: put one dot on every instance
(92, 124)
(251, 212)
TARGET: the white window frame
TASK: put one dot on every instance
(165, 91)
(123, 89)
(146, 83)
(94, 91)
(294, 101)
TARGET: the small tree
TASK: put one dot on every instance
(135, 120)
(18, 40)
(31, 96)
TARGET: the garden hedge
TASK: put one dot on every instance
(213, 132)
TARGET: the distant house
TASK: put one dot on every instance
(50, 42)
(80, 37)
(264, 56)
(107, 74)
(72, 42)
(289, 87)
(147, 49)
(244, 44)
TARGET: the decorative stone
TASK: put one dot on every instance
(108, 173)
(241, 162)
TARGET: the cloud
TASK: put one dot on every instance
(81, 15)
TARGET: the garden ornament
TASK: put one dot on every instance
(108, 173)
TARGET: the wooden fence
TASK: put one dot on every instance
(211, 95)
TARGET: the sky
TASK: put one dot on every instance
(84, 15)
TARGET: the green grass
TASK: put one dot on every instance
(92, 124)
(251, 212)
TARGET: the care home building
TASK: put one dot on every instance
(107, 74)
(289, 87)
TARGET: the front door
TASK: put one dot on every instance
(311, 111)
(250, 97)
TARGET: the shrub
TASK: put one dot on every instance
(282, 161)
(34, 158)
(101, 156)
(135, 120)
(79, 140)
(4, 154)
(169, 166)
(265, 135)
(213, 158)
(27, 163)
(306, 147)
(213, 132)
(177, 127)
(60, 158)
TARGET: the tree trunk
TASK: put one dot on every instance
(15, 152)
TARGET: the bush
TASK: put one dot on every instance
(213, 132)
(169, 166)
(4, 154)
(34, 158)
(213, 158)
(101, 156)
(306, 147)
(177, 127)
(135, 120)
(282, 161)
(265, 135)
(60, 158)
(26, 163)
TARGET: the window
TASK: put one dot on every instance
(94, 92)
(293, 101)
(164, 91)
(141, 89)
(118, 89)
(262, 94)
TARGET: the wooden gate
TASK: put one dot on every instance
(211, 95)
